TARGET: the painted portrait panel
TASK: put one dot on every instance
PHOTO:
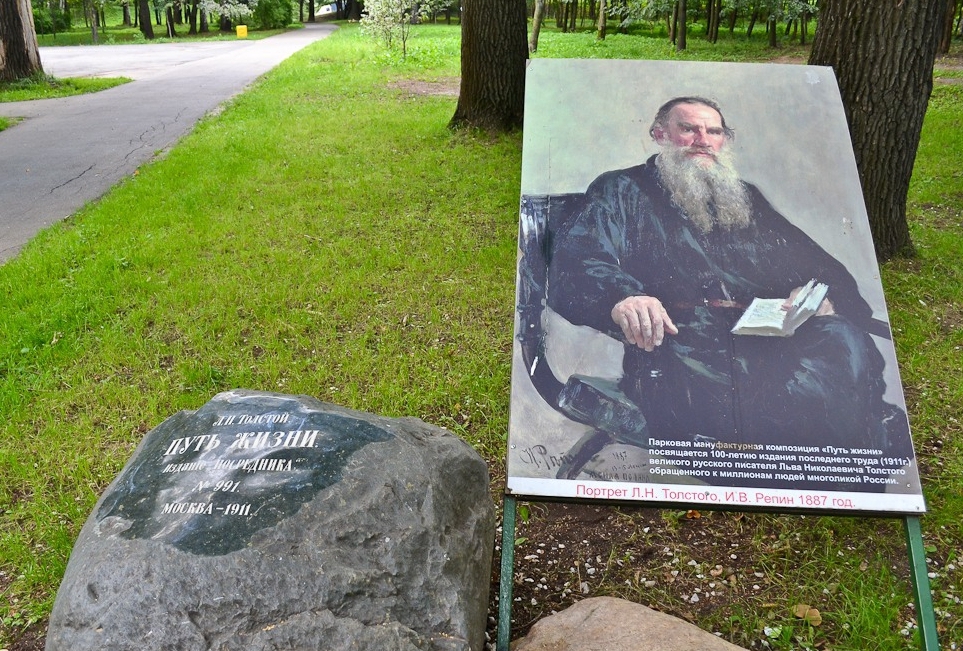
(663, 204)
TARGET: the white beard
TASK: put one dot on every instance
(709, 193)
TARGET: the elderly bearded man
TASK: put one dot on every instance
(667, 255)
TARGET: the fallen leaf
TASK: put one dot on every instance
(808, 613)
(692, 515)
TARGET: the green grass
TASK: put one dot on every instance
(117, 34)
(47, 87)
(328, 235)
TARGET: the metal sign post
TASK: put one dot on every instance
(925, 615)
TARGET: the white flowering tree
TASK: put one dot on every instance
(389, 21)
(233, 10)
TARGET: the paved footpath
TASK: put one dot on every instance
(67, 152)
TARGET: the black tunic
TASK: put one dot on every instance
(821, 386)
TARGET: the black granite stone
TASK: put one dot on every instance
(205, 482)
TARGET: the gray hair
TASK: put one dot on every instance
(663, 113)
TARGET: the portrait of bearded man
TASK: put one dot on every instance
(666, 256)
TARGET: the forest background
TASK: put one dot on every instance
(269, 251)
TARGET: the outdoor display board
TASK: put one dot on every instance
(700, 318)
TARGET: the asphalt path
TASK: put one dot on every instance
(70, 151)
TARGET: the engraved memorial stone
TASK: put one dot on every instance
(266, 521)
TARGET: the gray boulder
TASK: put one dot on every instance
(610, 624)
(266, 521)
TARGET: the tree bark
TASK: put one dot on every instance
(169, 15)
(536, 25)
(94, 22)
(19, 53)
(683, 27)
(883, 56)
(713, 19)
(493, 55)
(143, 15)
(192, 17)
(947, 36)
(600, 26)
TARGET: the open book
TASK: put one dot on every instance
(770, 317)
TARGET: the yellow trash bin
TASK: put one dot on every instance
(242, 31)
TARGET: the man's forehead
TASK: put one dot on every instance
(693, 111)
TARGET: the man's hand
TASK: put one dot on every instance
(826, 308)
(644, 321)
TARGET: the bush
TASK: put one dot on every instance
(272, 14)
(47, 22)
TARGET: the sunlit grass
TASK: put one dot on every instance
(47, 87)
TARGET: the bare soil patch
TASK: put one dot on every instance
(446, 87)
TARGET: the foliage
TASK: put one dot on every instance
(272, 14)
(49, 19)
(390, 21)
(660, 10)
(233, 10)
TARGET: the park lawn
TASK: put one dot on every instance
(48, 87)
(117, 34)
(328, 235)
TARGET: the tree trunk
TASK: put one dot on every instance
(771, 29)
(126, 10)
(19, 53)
(143, 15)
(205, 26)
(169, 13)
(353, 10)
(536, 25)
(683, 28)
(573, 16)
(947, 36)
(312, 17)
(600, 28)
(883, 57)
(94, 22)
(752, 23)
(493, 55)
(192, 17)
(714, 18)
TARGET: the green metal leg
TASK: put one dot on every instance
(925, 617)
(506, 575)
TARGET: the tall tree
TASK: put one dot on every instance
(536, 25)
(682, 27)
(600, 25)
(19, 53)
(493, 55)
(143, 17)
(883, 55)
